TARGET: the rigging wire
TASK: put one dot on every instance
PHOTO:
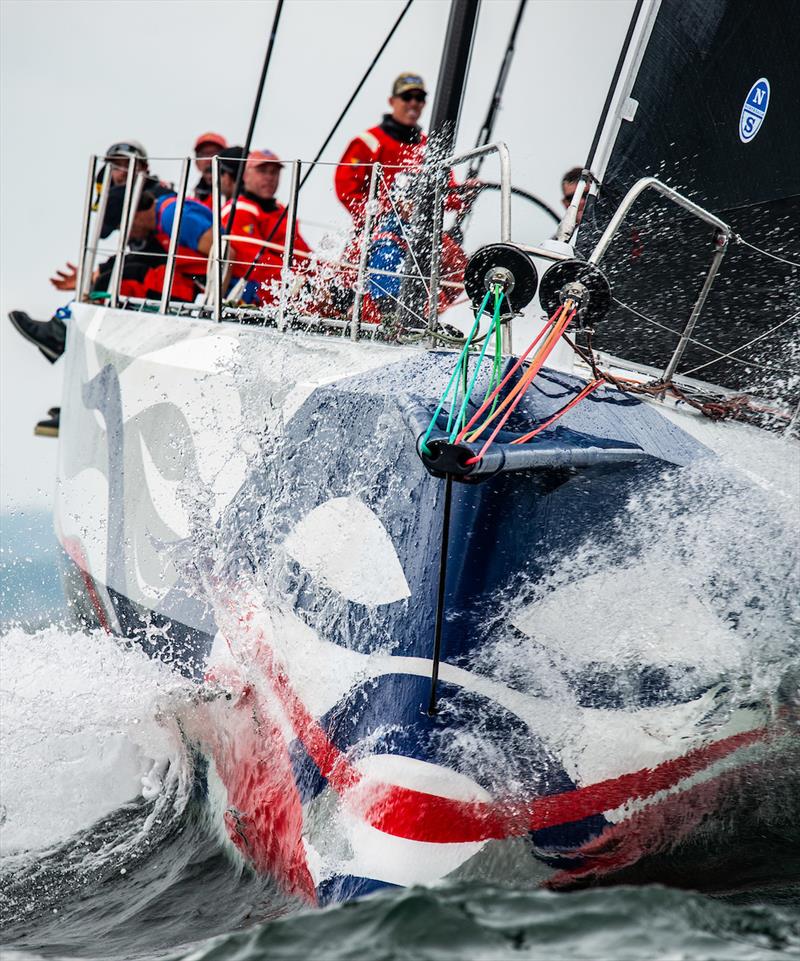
(720, 354)
(405, 235)
(254, 115)
(740, 240)
(749, 343)
(405, 307)
(333, 130)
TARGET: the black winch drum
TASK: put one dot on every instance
(581, 280)
(502, 264)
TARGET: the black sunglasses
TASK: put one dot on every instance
(410, 95)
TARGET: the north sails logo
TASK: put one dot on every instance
(754, 110)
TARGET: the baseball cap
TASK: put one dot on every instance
(257, 157)
(127, 148)
(408, 81)
(229, 160)
(214, 138)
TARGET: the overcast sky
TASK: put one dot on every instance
(78, 75)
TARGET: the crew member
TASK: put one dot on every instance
(398, 141)
(49, 336)
(569, 184)
(206, 146)
(230, 162)
(154, 219)
(143, 270)
(119, 155)
(261, 217)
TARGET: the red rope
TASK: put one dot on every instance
(543, 353)
(575, 400)
(488, 400)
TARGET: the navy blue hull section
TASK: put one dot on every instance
(358, 438)
(165, 638)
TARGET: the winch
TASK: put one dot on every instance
(580, 281)
(504, 266)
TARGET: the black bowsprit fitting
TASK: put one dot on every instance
(506, 266)
(580, 281)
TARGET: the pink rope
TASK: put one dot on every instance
(523, 385)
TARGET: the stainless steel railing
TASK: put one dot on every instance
(218, 260)
(724, 232)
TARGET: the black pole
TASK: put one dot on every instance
(254, 115)
(453, 72)
(333, 130)
(440, 598)
(488, 124)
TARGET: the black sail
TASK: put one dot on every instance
(718, 119)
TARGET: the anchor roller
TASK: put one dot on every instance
(504, 265)
(580, 281)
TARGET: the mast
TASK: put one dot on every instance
(453, 72)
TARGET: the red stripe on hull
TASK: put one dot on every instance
(419, 816)
(73, 548)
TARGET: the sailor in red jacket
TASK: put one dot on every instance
(154, 220)
(398, 141)
(260, 216)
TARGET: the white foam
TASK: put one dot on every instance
(79, 731)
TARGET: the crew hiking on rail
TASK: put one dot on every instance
(258, 228)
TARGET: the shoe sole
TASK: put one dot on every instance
(49, 353)
(45, 431)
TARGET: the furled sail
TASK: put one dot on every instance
(714, 105)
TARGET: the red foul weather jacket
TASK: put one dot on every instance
(391, 144)
(257, 218)
(189, 262)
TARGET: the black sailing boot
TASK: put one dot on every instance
(49, 426)
(49, 336)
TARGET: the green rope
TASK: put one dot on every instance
(497, 366)
(495, 325)
(453, 379)
(461, 383)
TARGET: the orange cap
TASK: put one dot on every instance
(210, 137)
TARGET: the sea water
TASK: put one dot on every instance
(109, 850)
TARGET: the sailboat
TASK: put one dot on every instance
(352, 538)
